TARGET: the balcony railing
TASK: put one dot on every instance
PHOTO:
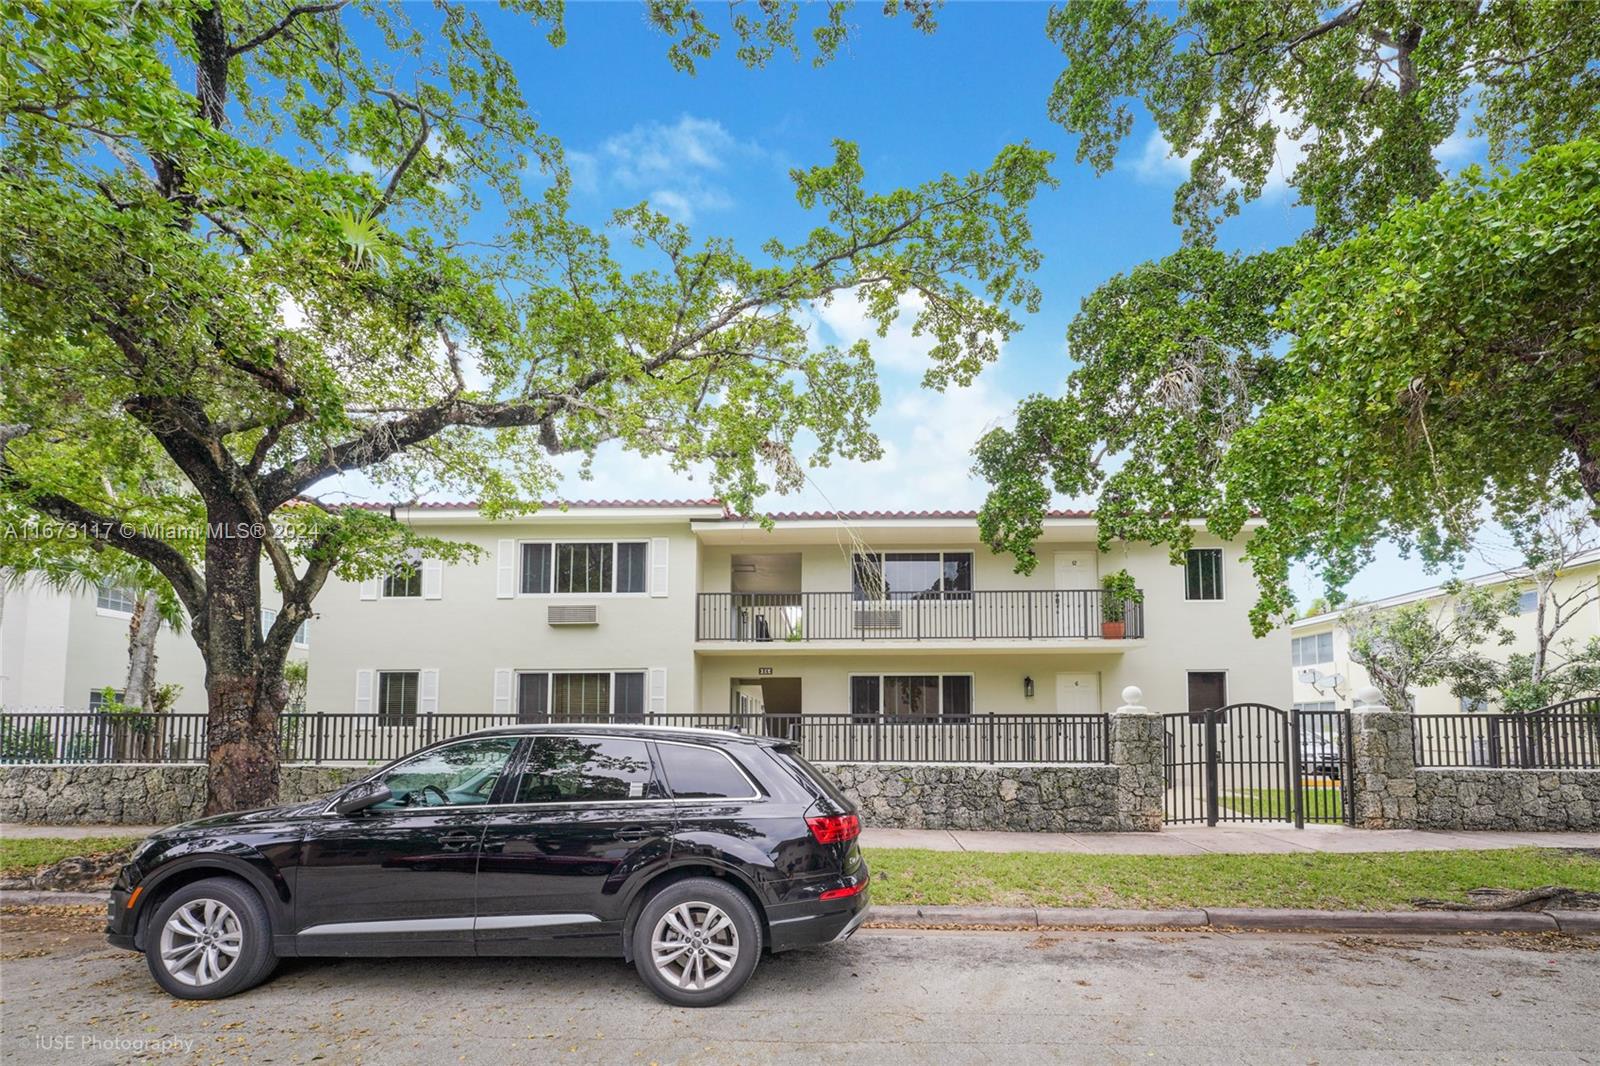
(91, 737)
(802, 617)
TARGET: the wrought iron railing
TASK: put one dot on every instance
(1019, 614)
(94, 737)
(1564, 736)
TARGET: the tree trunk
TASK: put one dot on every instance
(143, 629)
(245, 689)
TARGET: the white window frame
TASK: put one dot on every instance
(849, 686)
(383, 582)
(1296, 659)
(100, 608)
(516, 573)
(97, 696)
(378, 714)
(1532, 608)
(943, 595)
(549, 689)
(1222, 583)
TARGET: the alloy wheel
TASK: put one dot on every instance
(201, 942)
(695, 946)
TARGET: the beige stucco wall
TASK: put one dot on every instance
(1436, 699)
(468, 632)
(1181, 635)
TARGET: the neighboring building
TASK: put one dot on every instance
(627, 607)
(1324, 677)
(61, 650)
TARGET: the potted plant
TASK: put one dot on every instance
(1117, 592)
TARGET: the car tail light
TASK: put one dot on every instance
(841, 893)
(835, 828)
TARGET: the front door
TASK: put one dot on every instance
(1077, 577)
(1077, 693)
(399, 877)
(588, 815)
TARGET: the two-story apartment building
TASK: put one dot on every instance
(1324, 676)
(621, 608)
(61, 649)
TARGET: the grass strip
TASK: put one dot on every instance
(1318, 881)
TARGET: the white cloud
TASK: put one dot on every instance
(1158, 164)
(673, 165)
(846, 321)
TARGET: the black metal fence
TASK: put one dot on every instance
(1253, 762)
(1563, 736)
(95, 737)
(1032, 614)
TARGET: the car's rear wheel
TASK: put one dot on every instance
(210, 939)
(697, 942)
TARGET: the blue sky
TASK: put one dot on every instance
(714, 150)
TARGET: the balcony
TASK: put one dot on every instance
(833, 617)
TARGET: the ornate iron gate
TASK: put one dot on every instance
(1252, 762)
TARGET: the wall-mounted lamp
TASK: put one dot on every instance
(1027, 688)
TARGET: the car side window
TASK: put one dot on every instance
(586, 770)
(456, 775)
(695, 772)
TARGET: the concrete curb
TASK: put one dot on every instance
(1243, 919)
(28, 897)
(1229, 919)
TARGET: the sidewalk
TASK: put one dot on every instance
(1267, 839)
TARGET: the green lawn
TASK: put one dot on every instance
(1366, 881)
(1321, 804)
(26, 854)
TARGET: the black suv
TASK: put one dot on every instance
(684, 851)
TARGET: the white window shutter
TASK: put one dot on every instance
(363, 691)
(428, 692)
(505, 585)
(432, 579)
(502, 690)
(369, 589)
(658, 690)
(658, 566)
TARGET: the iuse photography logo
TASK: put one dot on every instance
(135, 1045)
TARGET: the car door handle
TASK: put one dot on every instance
(457, 840)
(632, 833)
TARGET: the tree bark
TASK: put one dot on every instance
(143, 629)
(245, 689)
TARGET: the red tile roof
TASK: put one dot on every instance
(885, 516)
(470, 505)
(776, 516)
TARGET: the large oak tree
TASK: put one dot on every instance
(1426, 355)
(249, 247)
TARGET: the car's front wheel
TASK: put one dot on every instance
(210, 939)
(697, 942)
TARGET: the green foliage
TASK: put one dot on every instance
(1419, 644)
(1120, 591)
(1432, 371)
(25, 743)
(1370, 88)
(235, 263)
(775, 27)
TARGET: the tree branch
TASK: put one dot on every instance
(283, 24)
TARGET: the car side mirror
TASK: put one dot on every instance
(359, 797)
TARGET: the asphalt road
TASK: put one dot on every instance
(885, 997)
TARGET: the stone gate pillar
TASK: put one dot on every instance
(1384, 767)
(1136, 751)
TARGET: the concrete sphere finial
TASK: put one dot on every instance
(1368, 697)
(1132, 696)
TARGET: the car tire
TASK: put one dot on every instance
(696, 942)
(188, 941)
